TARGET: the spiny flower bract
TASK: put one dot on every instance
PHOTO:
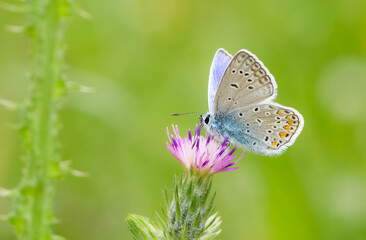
(202, 154)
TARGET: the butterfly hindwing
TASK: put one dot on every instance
(246, 81)
(264, 128)
(218, 67)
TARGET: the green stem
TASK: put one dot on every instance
(33, 214)
(42, 150)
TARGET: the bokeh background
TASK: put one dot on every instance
(146, 59)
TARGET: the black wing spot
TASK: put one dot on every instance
(250, 87)
(229, 98)
(254, 143)
(234, 85)
(267, 114)
(246, 74)
(258, 120)
(248, 131)
(249, 80)
(240, 114)
(256, 109)
(269, 131)
(233, 71)
(266, 138)
(247, 124)
(241, 72)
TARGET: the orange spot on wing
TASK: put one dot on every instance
(290, 122)
(287, 127)
(289, 117)
(274, 144)
(280, 112)
(282, 135)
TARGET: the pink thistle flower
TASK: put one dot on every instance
(202, 154)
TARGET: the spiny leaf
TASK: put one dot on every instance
(165, 196)
(193, 206)
(143, 228)
(176, 199)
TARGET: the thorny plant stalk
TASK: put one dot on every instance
(32, 215)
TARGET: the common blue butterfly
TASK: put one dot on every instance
(240, 94)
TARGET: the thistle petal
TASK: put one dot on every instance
(203, 154)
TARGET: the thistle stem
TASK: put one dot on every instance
(41, 151)
(33, 203)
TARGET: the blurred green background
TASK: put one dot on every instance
(147, 59)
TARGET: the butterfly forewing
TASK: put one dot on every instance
(218, 67)
(246, 81)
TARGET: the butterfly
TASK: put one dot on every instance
(241, 108)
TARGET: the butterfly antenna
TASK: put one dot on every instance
(180, 114)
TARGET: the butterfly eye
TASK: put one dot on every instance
(207, 119)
